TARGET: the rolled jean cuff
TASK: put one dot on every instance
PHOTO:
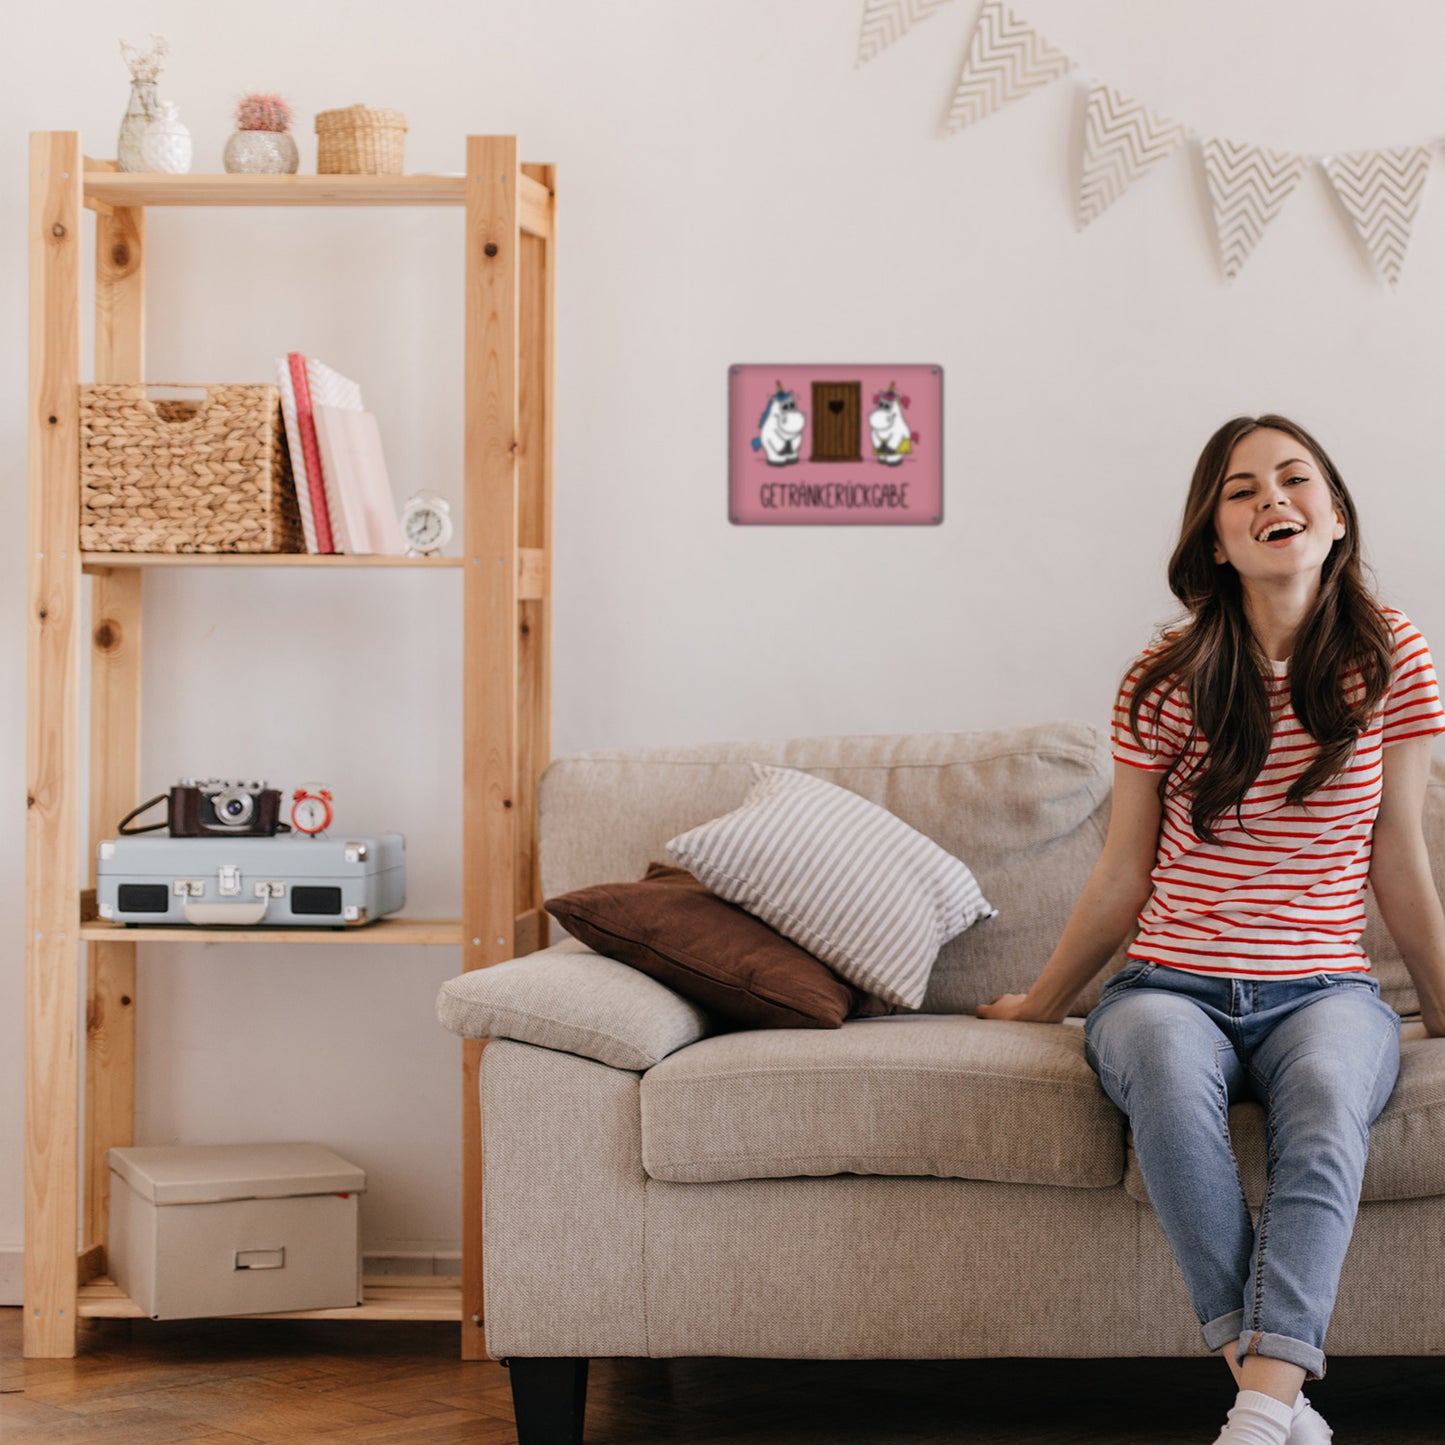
(1223, 1331)
(1281, 1347)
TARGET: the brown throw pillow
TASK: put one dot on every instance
(670, 927)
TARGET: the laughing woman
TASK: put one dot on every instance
(1271, 758)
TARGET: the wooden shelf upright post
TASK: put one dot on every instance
(52, 892)
(115, 640)
(507, 700)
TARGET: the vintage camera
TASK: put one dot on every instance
(215, 806)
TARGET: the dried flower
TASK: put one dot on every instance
(144, 64)
(263, 112)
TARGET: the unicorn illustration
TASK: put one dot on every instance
(892, 438)
(780, 429)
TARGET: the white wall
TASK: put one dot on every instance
(733, 190)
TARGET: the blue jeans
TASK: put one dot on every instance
(1173, 1050)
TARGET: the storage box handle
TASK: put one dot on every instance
(200, 398)
(260, 1259)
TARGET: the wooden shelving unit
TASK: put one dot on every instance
(508, 269)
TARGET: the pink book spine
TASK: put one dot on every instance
(306, 424)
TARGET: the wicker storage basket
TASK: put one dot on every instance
(186, 476)
(359, 142)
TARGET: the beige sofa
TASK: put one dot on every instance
(917, 1186)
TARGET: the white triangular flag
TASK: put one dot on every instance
(1122, 140)
(885, 21)
(1007, 58)
(1248, 186)
(1381, 190)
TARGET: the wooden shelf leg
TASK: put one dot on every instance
(537, 289)
(52, 890)
(489, 606)
(110, 972)
(115, 661)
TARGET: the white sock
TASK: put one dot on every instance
(1307, 1425)
(1257, 1419)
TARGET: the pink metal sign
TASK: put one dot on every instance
(843, 445)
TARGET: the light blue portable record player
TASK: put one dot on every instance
(251, 882)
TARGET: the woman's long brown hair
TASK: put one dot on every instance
(1217, 661)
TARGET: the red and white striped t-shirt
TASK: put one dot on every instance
(1285, 899)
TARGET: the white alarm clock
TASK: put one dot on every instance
(426, 524)
(311, 809)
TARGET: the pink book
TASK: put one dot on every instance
(306, 425)
(363, 508)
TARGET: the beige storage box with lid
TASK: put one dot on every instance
(235, 1229)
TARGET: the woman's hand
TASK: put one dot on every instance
(1011, 1006)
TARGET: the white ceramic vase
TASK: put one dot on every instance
(261, 152)
(166, 146)
(142, 110)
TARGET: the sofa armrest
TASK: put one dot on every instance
(575, 1001)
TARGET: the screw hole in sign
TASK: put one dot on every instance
(835, 445)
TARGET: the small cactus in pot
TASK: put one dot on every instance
(262, 144)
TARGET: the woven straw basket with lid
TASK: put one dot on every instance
(359, 142)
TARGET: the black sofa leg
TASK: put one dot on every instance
(549, 1398)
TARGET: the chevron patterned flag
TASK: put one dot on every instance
(1122, 140)
(1248, 186)
(1007, 58)
(1381, 190)
(885, 21)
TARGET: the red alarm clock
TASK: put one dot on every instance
(311, 809)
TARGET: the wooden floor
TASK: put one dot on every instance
(137, 1382)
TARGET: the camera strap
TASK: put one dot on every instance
(145, 807)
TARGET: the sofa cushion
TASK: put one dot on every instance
(842, 877)
(674, 929)
(575, 1001)
(1407, 1141)
(952, 1097)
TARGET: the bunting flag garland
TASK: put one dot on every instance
(1248, 186)
(885, 21)
(1007, 58)
(1381, 190)
(1122, 140)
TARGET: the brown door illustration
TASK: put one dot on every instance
(837, 421)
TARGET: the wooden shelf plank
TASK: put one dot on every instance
(385, 930)
(100, 561)
(386, 1297)
(145, 188)
(532, 564)
(107, 188)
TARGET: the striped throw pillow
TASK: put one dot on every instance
(840, 876)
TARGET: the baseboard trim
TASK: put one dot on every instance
(12, 1275)
(408, 1262)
